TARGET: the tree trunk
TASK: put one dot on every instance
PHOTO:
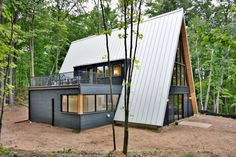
(11, 56)
(7, 72)
(200, 81)
(10, 80)
(57, 58)
(110, 77)
(1, 68)
(224, 60)
(32, 50)
(126, 122)
(1, 8)
(209, 81)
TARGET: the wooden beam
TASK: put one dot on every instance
(80, 104)
(188, 67)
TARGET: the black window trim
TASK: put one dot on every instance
(67, 103)
(95, 103)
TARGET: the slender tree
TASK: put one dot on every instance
(129, 67)
(9, 49)
(110, 71)
(209, 81)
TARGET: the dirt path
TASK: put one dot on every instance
(219, 139)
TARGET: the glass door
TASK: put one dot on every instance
(178, 106)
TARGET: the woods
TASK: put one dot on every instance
(41, 32)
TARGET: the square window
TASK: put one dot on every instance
(101, 102)
(100, 71)
(89, 103)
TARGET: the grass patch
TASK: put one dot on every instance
(49, 155)
(66, 151)
(5, 151)
(189, 155)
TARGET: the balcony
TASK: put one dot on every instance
(65, 79)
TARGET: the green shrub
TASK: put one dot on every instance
(5, 151)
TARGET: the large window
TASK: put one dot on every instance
(89, 103)
(101, 103)
(100, 71)
(69, 103)
(115, 101)
(179, 71)
(104, 71)
(116, 70)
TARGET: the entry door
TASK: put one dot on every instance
(90, 71)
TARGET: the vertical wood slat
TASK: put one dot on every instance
(80, 104)
(188, 67)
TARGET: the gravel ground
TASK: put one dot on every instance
(173, 140)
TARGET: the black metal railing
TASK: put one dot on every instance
(68, 78)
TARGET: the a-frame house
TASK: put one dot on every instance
(162, 89)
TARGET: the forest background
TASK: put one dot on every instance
(35, 36)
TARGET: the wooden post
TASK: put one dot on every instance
(80, 104)
(188, 67)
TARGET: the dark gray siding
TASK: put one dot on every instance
(95, 119)
(179, 90)
(99, 89)
(41, 108)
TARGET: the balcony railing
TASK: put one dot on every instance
(68, 78)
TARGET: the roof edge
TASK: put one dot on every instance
(116, 29)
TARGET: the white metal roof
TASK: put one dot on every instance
(156, 53)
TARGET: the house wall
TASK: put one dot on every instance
(41, 108)
(117, 80)
(99, 89)
(92, 120)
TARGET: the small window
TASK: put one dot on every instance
(64, 103)
(70, 103)
(101, 102)
(89, 103)
(100, 71)
(115, 101)
(107, 71)
(116, 70)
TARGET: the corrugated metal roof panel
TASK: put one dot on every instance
(150, 85)
(156, 53)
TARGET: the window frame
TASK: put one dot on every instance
(113, 69)
(103, 71)
(96, 96)
(94, 103)
(67, 103)
(105, 74)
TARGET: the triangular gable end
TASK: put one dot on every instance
(141, 112)
(181, 100)
(151, 84)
